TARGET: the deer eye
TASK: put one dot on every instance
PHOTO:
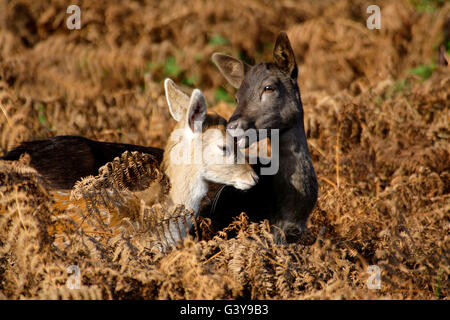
(268, 89)
(224, 149)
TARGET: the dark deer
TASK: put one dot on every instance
(268, 97)
(63, 160)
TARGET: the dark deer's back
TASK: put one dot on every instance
(63, 160)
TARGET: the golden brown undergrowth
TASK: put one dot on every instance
(377, 128)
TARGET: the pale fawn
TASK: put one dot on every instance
(198, 151)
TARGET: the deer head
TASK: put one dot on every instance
(268, 96)
(200, 150)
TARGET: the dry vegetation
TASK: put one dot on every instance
(377, 117)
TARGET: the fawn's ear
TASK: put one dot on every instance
(231, 68)
(284, 55)
(196, 111)
(177, 100)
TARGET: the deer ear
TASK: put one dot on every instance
(196, 111)
(231, 68)
(177, 100)
(284, 55)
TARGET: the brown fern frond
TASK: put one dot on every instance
(132, 171)
(112, 189)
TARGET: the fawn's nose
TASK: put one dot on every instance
(246, 181)
(255, 177)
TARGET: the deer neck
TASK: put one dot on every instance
(188, 187)
(296, 176)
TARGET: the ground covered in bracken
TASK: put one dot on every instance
(377, 118)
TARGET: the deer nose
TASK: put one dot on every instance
(233, 122)
(255, 177)
(232, 125)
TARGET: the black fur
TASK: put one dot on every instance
(268, 97)
(63, 160)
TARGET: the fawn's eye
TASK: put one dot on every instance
(224, 149)
(268, 89)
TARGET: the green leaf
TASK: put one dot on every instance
(427, 5)
(222, 94)
(218, 40)
(424, 71)
(41, 116)
(190, 81)
(148, 66)
(438, 288)
(170, 68)
(198, 57)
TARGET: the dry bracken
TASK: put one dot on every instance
(376, 117)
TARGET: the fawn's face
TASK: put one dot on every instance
(268, 96)
(201, 145)
(222, 162)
